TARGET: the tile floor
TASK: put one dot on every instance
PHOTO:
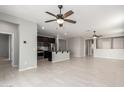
(77, 72)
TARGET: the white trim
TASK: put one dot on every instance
(84, 47)
(33, 67)
(109, 58)
(10, 47)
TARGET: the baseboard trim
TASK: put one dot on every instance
(33, 67)
(109, 58)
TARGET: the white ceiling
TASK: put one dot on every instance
(103, 19)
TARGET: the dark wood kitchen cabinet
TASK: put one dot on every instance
(42, 39)
(45, 39)
(52, 40)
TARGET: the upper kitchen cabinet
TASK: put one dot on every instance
(45, 39)
(51, 40)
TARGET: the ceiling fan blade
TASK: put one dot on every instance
(68, 13)
(51, 14)
(60, 25)
(50, 20)
(70, 21)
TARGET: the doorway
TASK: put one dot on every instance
(89, 47)
(6, 48)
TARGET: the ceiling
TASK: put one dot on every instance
(104, 19)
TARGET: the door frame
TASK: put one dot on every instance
(11, 49)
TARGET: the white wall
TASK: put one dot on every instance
(28, 51)
(27, 32)
(109, 53)
(62, 44)
(82, 47)
(57, 42)
(76, 46)
(4, 45)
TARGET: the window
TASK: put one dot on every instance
(104, 43)
(110, 43)
(118, 43)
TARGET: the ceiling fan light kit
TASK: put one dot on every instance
(94, 37)
(61, 18)
(60, 21)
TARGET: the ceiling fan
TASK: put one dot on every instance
(61, 18)
(96, 36)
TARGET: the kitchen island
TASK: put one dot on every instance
(60, 56)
